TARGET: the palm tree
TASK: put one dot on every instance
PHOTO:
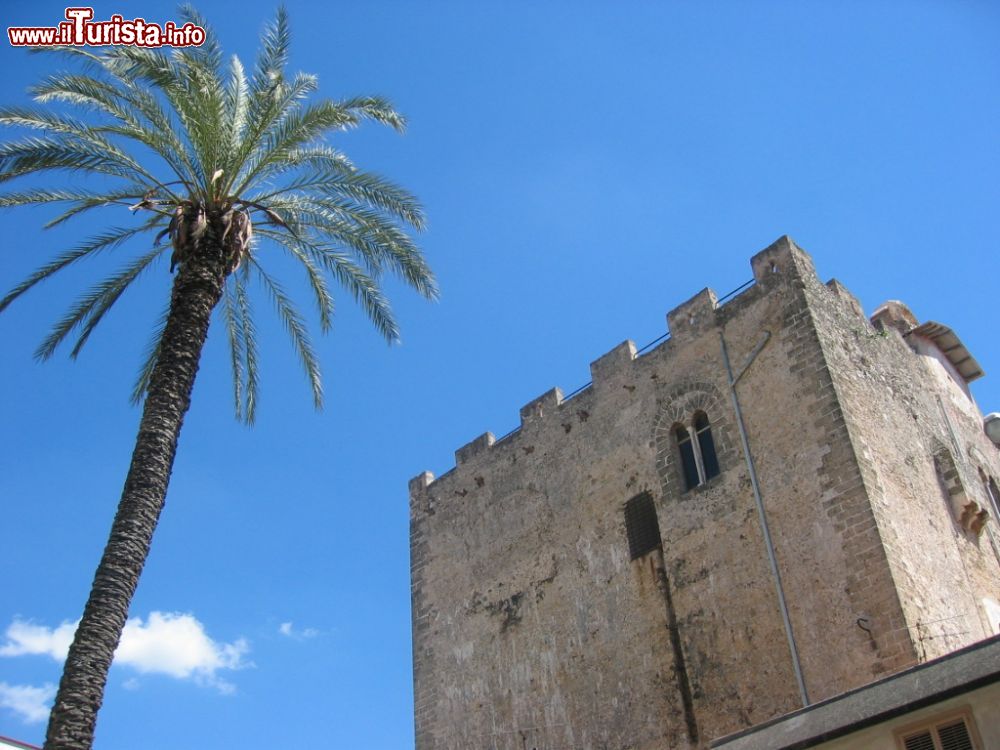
(233, 167)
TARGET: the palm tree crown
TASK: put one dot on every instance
(248, 150)
(232, 166)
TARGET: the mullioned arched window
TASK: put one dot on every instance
(699, 460)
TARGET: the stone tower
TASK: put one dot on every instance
(780, 502)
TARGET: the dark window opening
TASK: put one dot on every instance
(641, 525)
(688, 463)
(706, 445)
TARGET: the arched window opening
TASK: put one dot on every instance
(706, 445)
(689, 465)
(641, 525)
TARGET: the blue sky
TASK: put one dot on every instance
(585, 167)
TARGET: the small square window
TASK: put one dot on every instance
(641, 525)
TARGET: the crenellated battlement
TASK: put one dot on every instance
(690, 319)
(780, 262)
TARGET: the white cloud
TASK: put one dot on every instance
(30, 703)
(26, 638)
(288, 629)
(177, 645)
(169, 643)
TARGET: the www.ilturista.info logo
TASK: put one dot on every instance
(79, 30)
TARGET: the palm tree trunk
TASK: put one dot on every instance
(197, 289)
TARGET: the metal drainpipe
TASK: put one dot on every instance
(782, 605)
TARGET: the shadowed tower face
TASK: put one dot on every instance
(601, 578)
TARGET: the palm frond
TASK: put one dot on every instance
(172, 77)
(372, 190)
(125, 197)
(325, 304)
(374, 108)
(106, 240)
(266, 86)
(385, 246)
(310, 165)
(294, 130)
(250, 349)
(40, 119)
(32, 155)
(366, 291)
(81, 201)
(205, 89)
(237, 346)
(274, 48)
(140, 116)
(267, 110)
(149, 361)
(209, 54)
(237, 107)
(42, 195)
(353, 278)
(377, 243)
(84, 91)
(296, 328)
(72, 133)
(92, 306)
(78, 54)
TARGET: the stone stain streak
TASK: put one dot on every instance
(532, 628)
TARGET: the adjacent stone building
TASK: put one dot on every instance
(664, 559)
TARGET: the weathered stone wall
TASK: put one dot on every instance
(532, 627)
(920, 441)
(826, 534)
